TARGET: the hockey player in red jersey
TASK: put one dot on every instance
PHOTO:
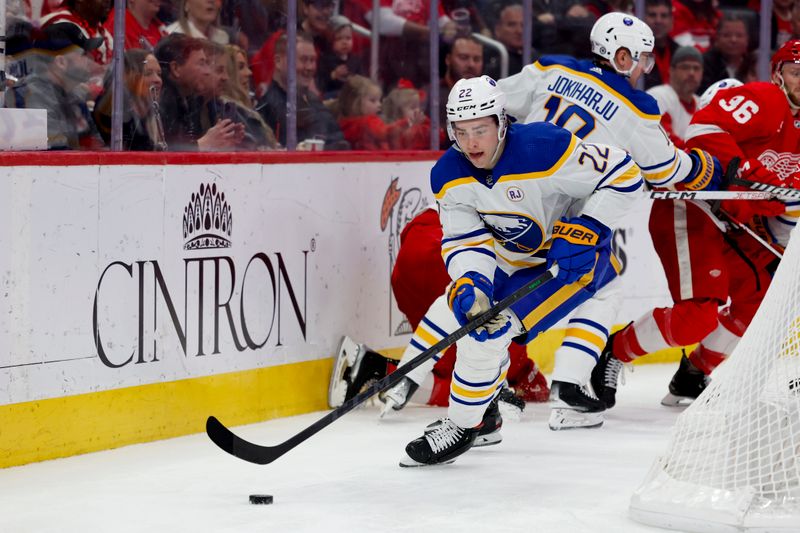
(705, 264)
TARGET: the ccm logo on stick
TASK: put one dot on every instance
(673, 195)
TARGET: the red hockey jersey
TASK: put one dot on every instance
(753, 121)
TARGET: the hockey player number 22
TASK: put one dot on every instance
(599, 158)
(740, 113)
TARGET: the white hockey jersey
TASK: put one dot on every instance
(504, 216)
(669, 103)
(599, 106)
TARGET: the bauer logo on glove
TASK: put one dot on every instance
(575, 245)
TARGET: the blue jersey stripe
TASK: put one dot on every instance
(442, 333)
(591, 323)
(614, 171)
(630, 188)
(464, 402)
(471, 234)
(659, 165)
(477, 250)
(582, 348)
(484, 384)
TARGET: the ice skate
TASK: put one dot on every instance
(355, 368)
(442, 445)
(686, 385)
(510, 405)
(398, 396)
(605, 375)
(488, 431)
(573, 407)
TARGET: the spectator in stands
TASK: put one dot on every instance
(464, 59)
(404, 36)
(338, 62)
(507, 30)
(695, 23)
(314, 21)
(188, 123)
(781, 20)
(678, 100)
(467, 14)
(730, 57)
(796, 20)
(142, 27)
(658, 15)
(88, 15)
(598, 8)
(199, 19)
(57, 85)
(235, 102)
(561, 27)
(358, 109)
(141, 127)
(409, 127)
(239, 71)
(314, 120)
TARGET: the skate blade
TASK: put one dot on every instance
(408, 462)
(509, 411)
(670, 400)
(572, 419)
(387, 408)
(345, 358)
(488, 440)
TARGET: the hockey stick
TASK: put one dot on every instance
(711, 195)
(717, 196)
(775, 190)
(744, 227)
(262, 455)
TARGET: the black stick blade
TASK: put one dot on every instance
(229, 442)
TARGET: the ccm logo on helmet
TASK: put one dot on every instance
(465, 107)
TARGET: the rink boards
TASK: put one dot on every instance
(143, 292)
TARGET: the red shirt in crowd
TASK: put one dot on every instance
(134, 31)
(690, 30)
(101, 55)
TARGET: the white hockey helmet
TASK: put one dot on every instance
(613, 31)
(714, 88)
(475, 98)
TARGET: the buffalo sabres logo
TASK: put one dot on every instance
(514, 232)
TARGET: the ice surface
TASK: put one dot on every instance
(346, 478)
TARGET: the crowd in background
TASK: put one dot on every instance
(212, 74)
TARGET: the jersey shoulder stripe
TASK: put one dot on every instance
(536, 150)
(641, 103)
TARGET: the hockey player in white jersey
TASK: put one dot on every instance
(597, 101)
(514, 201)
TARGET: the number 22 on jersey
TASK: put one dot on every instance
(552, 105)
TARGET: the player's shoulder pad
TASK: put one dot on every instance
(557, 60)
(537, 146)
(763, 92)
(451, 166)
(614, 83)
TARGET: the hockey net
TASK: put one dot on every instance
(733, 461)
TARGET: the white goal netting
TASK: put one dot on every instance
(733, 462)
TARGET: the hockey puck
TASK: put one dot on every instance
(261, 499)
